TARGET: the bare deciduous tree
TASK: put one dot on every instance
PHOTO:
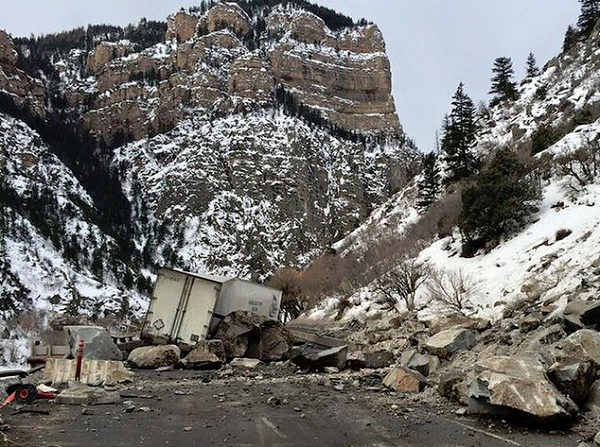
(402, 283)
(582, 165)
(452, 289)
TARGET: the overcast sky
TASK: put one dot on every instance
(432, 44)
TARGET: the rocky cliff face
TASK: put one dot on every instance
(225, 56)
(244, 142)
(24, 91)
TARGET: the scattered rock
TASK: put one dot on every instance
(582, 345)
(98, 343)
(591, 313)
(274, 401)
(245, 334)
(445, 343)
(574, 378)
(152, 357)
(404, 380)
(530, 322)
(80, 394)
(245, 363)
(316, 360)
(512, 386)
(331, 370)
(449, 384)
(206, 354)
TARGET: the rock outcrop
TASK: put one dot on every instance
(181, 27)
(345, 76)
(24, 91)
(228, 15)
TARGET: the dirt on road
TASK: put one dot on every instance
(269, 406)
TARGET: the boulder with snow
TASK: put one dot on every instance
(152, 357)
(98, 344)
(445, 343)
(513, 386)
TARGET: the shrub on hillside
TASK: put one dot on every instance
(543, 138)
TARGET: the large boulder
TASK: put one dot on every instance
(511, 386)
(403, 380)
(152, 357)
(582, 345)
(573, 377)
(246, 334)
(276, 342)
(591, 313)
(317, 360)
(422, 363)
(205, 354)
(98, 344)
(445, 343)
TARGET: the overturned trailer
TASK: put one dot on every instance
(187, 307)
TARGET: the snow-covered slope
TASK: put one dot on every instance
(555, 258)
(47, 241)
(247, 194)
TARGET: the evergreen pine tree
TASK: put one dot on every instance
(532, 69)
(570, 39)
(429, 184)
(590, 13)
(459, 131)
(499, 202)
(502, 84)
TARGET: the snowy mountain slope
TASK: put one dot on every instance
(246, 138)
(553, 259)
(248, 194)
(48, 241)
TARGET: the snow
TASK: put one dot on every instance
(500, 274)
(532, 264)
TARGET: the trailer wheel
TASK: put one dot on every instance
(26, 394)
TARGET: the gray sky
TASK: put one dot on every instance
(432, 44)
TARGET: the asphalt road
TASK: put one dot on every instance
(263, 408)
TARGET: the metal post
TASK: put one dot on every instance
(79, 360)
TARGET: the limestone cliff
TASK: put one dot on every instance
(23, 90)
(224, 56)
(238, 140)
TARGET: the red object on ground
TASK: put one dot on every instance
(79, 360)
(9, 400)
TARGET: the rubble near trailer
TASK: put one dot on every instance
(187, 307)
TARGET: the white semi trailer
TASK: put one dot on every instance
(186, 307)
